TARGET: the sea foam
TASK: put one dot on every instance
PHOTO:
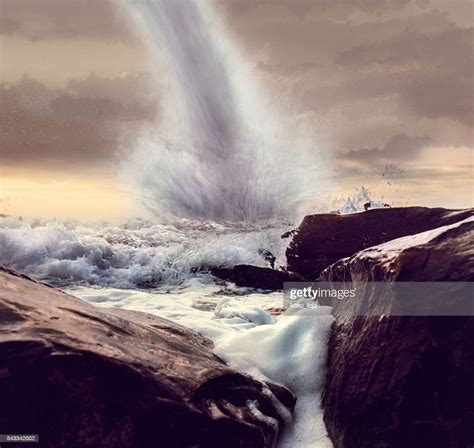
(133, 254)
(288, 350)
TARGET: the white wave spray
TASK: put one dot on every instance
(219, 153)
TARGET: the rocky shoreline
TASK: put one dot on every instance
(109, 377)
(324, 239)
(392, 381)
(83, 376)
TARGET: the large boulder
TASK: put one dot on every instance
(323, 239)
(403, 381)
(82, 376)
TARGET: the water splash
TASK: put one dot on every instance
(133, 254)
(219, 153)
(360, 202)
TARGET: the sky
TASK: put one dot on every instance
(384, 87)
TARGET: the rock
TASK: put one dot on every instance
(403, 381)
(255, 276)
(82, 376)
(288, 234)
(261, 278)
(226, 274)
(323, 239)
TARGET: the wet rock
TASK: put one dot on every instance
(226, 274)
(403, 381)
(256, 276)
(323, 239)
(82, 376)
(288, 234)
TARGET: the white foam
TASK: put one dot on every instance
(288, 350)
(292, 352)
(229, 308)
(193, 306)
(132, 254)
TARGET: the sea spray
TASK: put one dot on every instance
(220, 152)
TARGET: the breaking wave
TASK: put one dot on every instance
(134, 254)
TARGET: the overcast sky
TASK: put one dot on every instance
(378, 83)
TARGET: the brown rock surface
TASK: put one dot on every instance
(323, 239)
(82, 376)
(403, 381)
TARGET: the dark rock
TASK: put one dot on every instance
(256, 276)
(323, 239)
(226, 274)
(288, 234)
(82, 376)
(368, 205)
(403, 381)
(261, 278)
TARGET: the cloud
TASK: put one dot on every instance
(375, 81)
(431, 73)
(71, 128)
(335, 9)
(400, 147)
(8, 26)
(47, 19)
(131, 88)
(365, 71)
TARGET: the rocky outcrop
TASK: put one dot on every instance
(82, 376)
(323, 239)
(255, 276)
(403, 381)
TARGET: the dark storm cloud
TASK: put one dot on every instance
(125, 99)
(30, 138)
(374, 79)
(435, 71)
(446, 50)
(133, 88)
(73, 118)
(365, 72)
(73, 127)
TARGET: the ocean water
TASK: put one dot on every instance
(160, 269)
(133, 254)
